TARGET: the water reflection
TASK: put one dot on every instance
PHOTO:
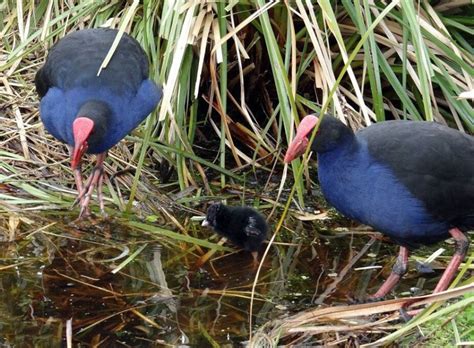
(60, 270)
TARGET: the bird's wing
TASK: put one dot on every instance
(74, 61)
(251, 228)
(434, 162)
(42, 83)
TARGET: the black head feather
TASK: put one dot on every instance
(211, 216)
(331, 133)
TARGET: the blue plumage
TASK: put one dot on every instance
(368, 191)
(59, 109)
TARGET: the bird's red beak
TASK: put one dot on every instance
(300, 142)
(82, 128)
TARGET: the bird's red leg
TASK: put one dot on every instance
(462, 244)
(94, 181)
(100, 194)
(255, 259)
(78, 179)
(398, 270)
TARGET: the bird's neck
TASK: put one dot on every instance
(344, 146)
(100, 113)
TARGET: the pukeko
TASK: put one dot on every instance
(413, 181)
(243, 226)
(92, 112)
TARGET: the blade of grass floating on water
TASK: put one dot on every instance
(15, 265)
(129, 259)
(145, 318)
(202, 328)
(204, 258)
(176, 236)
(86, 328)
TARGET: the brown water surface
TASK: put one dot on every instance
(56, 270)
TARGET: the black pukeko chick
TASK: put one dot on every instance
(413, 181)
(92, 111)
(243, 226)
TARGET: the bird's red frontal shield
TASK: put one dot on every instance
(300, 141)
(82, 128)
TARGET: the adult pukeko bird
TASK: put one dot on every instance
(92, 111)
(243, 226)
(413, 181)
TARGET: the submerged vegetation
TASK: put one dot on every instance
(236, 76)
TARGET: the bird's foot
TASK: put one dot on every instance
(85, 192)
(405, 315)
(462, 245)
(84, 212)
(399, 269)
(81, 192)
(95, 181)
(255, 261)
(423, 268)
(354, 300)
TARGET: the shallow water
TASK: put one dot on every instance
(54, 271)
